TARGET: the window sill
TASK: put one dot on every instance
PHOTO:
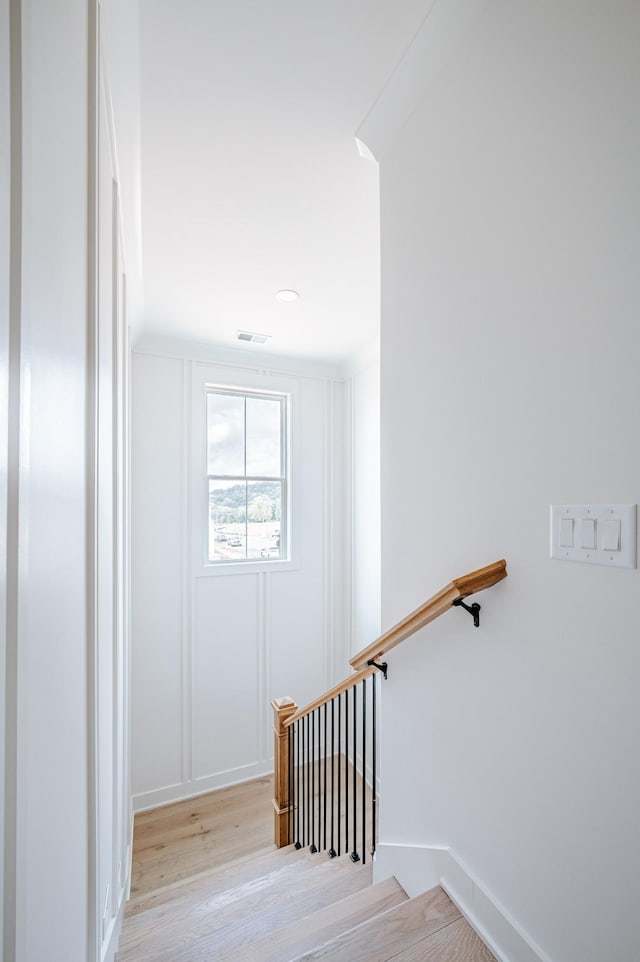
(273, 566)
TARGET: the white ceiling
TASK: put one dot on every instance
(251, 177)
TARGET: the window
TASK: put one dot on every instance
(246, 475)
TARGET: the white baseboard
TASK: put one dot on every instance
(210, 783)
(112, 936)
(419, 868)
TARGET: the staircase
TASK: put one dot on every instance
(291, 905)
(295, 904)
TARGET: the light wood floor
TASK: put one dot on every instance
(201, 834)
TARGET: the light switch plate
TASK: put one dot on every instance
(599, 514)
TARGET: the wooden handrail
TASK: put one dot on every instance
(287, 713)
(459, 588)
(437, 605)
(344, 685)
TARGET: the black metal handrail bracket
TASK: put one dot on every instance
(383, 667)
(474, 610)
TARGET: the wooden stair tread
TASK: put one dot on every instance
(322, 925)
(217, 879)
(454, 943)
(201, 929)
(391, 932)
(226, 888)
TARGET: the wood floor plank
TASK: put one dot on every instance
(199, 834)
(455, 943)
(390, 933)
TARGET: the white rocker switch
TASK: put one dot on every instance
(587, 533)
(566, 532)
(610, 534)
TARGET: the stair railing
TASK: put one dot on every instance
(325, 754)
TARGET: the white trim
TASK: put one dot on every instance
(258, 380)
(350, 554)
(246, 359)
(93, 150)
(187, 581)
(263, 663)
(112, 933)
(327, 539)
(201, 786)
(419, 868)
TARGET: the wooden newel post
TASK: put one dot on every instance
(283, 708)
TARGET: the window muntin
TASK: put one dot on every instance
(246, 475)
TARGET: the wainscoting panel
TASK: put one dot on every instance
(213, 645)
(225, 674)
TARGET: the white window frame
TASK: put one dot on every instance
(281, 478)
(206, 377)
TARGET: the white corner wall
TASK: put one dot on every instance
(510, 346)
(5, 273)
(210, 650)
(363, 490)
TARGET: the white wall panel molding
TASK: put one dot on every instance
(419, 868)
(350, 553)
(264, 665)
(242, 634)
(188, 583)
(328, 487)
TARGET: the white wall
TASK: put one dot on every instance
(510, 345)
(48, 589)
(211, 648)
(66, 810)
(363, 458)
(5, 270)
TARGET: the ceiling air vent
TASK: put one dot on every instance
(254, 338)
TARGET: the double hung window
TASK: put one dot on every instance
(246, 475)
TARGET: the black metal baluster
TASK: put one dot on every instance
(373, 778)
(289, 781)
(332, 851)
(346, 771)
(308, 779)
(306, 775)
(302, 783)
(354, 855)
(339, 767)
(303, 797)
(324, 797)
(313, 782)
(364, 770)
(319, 780)
(297, 784)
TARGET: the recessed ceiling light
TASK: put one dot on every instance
(287, 295)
